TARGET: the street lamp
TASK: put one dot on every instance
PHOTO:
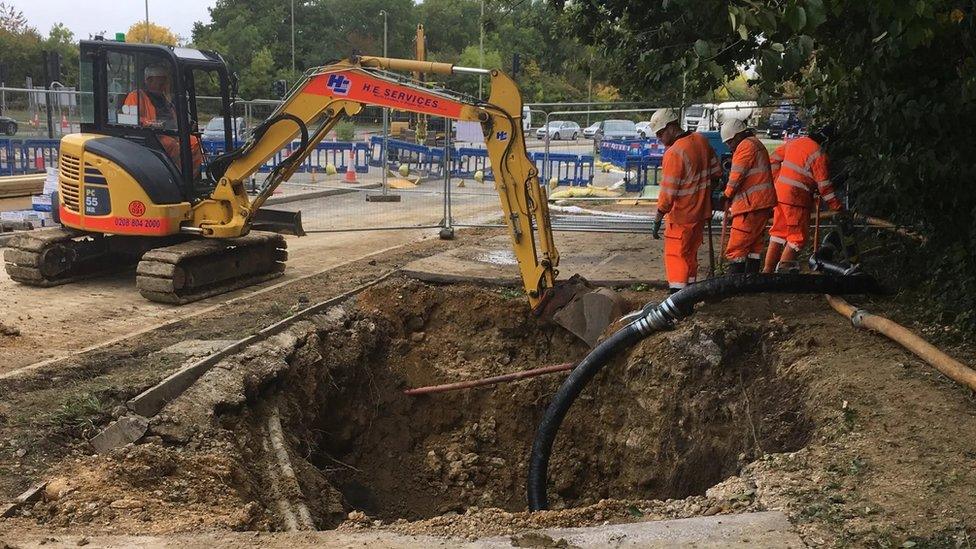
(292, 36)
(386, 115)
(481, 45)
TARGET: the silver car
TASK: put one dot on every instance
(214, 130)
(558, 129)
(590, 131)
(614, 129)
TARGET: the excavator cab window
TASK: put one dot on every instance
(158, 97)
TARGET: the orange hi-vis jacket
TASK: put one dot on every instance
(146, 108)
(689, 165)
(750, 185)
(802, 172)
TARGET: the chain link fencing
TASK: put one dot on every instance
(598, 162)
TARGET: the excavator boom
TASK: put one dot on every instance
(326, 95)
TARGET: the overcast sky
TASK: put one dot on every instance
(90, 17)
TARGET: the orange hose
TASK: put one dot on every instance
(950, 367)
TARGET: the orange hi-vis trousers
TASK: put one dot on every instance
(681, 243)
(746, 235)
(790, 226)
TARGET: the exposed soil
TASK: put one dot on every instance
(738, 408)
(50, 413)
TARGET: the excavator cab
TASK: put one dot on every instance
(158, 98)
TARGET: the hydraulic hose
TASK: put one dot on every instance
(950, 367)
(660, 317)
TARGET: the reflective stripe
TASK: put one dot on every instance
(777, 240)
(689, 190)
(797, 169)
(678, 285)
(754, 189)
(669, 179)
(794, 245)
(829, 197)
(813, 156)
(793, 182)
(824, 184)
(684, 160)
(753, 256)
(754, 171)
(737, 169)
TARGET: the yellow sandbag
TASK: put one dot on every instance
(399, 183)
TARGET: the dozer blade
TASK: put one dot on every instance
(278, 221)
(201, 268)
(581, 308)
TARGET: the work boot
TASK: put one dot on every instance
(753, 265)
(791, 267)
(737, 267)
(773, 253)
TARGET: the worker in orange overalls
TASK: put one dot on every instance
(689, 167)
(155, 109)
(802, 172)
(750, 195)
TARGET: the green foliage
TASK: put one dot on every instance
(345, 130)
(897, 77)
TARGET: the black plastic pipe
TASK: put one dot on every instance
(661, 317)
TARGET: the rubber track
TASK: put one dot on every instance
(22, 258)
(155, 273)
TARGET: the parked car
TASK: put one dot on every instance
(783, 123)
(644, 130)
(559, 129)
(8, 126)
(214, 130)
(591, 130)
(615, 129)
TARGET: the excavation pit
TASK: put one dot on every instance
(310, 429)
(680, 413)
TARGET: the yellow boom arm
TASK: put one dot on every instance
(327, 94)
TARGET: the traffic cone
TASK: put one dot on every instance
(64, 122)
(35, 121)
(39, 160)
(351, 169)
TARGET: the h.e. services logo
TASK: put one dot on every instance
(338, 83)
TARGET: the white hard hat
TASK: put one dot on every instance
(731, 127)
(663, 117)
(155, 70)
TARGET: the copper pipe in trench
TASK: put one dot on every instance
(950, 367)
(490, 380)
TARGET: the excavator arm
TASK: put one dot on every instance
(328, 94)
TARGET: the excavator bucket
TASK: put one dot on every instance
(581, 308)
(278, 221)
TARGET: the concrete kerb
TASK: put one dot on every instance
(147, 404)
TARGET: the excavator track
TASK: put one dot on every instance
(200, 268)
(55, 256)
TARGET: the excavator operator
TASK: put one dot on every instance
(155, 109)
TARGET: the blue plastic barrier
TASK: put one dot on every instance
(38, 154)
(7, 159)
(568, 169)
(467, 161)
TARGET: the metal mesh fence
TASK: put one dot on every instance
(599, 163)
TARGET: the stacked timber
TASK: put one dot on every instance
(21, 185)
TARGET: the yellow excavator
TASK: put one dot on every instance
(135, 185)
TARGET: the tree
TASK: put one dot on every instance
(150, 33)
(898, 78)
(12, 20)
(256, 81)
